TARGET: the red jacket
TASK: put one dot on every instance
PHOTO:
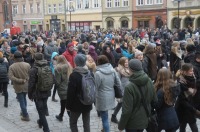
(70, 57)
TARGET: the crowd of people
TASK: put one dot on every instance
(162, 65)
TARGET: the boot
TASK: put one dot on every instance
(54, 100)
(114, 119)
(6, 103)
(68, 112)
(25, 118)
(59, 117)
(39, 124)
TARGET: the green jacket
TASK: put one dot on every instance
(133, 113)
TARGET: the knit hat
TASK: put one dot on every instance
(138, 53)
(70, 44)
(38, 56)
(80, 60)
(17, 54)
(1, 55)
(13, 49)
(135, 65)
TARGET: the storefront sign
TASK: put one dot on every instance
(36, 22)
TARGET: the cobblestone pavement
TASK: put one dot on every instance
(10, 117)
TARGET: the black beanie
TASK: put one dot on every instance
(38, 56)
(135, 65)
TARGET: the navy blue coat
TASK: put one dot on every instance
(167, 117)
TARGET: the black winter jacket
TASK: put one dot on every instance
(33, 93)
(4, 80)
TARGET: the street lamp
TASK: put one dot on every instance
(65, 15)
(70, 9)
(178, 12)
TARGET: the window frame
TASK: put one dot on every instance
(96, 2)
(116, 2)
(158, 1)
(123, 1)
(38, 7)
(13, 9)
(24, 8)
(54, 8)
(140, 2)
(152, 2)
(60, 8)
(49, 11)
(31, 8)
(109, 2)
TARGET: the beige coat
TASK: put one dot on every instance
(18, 74)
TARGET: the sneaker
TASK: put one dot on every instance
(25, 118)
(39, 124)
(59, 118)
(114, 119)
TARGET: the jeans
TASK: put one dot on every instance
(74, 118)
(23, 103)
(117, 108)
(193, 127)
(63, 106)
(104, 117)
(4, 87)
(133, 130)
(41, 105)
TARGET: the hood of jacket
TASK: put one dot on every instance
(53, 55)
(106, 69)
(51, 44)
(140, 78)
(40, 63)
(81, 70)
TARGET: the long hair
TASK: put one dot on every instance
(64, 65)
(164, 81)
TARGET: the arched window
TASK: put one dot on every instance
(124, 24)
(5, 12)
(175, 23)
(159, 22)
(188, 22)
(110, 24)
(198, 22)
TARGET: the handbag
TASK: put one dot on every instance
(118, 91)
(152, 117)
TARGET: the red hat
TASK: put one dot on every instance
(70, 45)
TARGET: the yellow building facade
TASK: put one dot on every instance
(72, 15)
(189, 14)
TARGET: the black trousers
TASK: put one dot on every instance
(193, 127)
(4, 87)
(63, 107)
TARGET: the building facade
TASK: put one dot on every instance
(149, 13)
(5, 14)
(28, 14)
(189, 14)
(73, 15)
(117, 14)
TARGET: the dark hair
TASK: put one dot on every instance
(197, 55)
(186, 67)
(102, 59)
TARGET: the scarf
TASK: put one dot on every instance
(124, 72)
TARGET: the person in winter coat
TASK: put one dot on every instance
(124, 74)
(39, 97)
(4, 78)
(53, 64)
(105, 79)
(73, 103)
(124, 50)
(190, 56)
(62, 48)
(80, 49)
(150, 62)
(49, 49)
(134, 117)
(93, 53)
(27, 55)
(167, 92)
(70, 54)
(107, 52)
(62, 73)
(90, 63)
(184, 106)
(175, 57)
(18, 74)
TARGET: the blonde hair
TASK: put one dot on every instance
(174, 48)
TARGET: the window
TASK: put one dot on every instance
(54, 8)
(60, 8)
(110, 24)
(23, 9)
(33, 28)
(140, 2)
(79, 4)
(25, 28)
(96, 3)
(125, 3)
(5, 12)
(158, 1)
(31, 8)
(49, 9)
(116, 3)
(15, 9)
(124, 24)
(86, 4)
(109, 3)
(38, 7)
(143, 24)
(149, 2)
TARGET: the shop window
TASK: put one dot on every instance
(25, 28)
(188, 22)
(143, 24)
(33, 28)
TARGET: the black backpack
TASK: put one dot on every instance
(3, 71)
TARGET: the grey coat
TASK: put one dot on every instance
(105, 78)
(48, 50)
(124, 81)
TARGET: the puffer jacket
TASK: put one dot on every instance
(18, 74)
(48, 50)
(133, 113)
(61, 81)
(33, 93)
